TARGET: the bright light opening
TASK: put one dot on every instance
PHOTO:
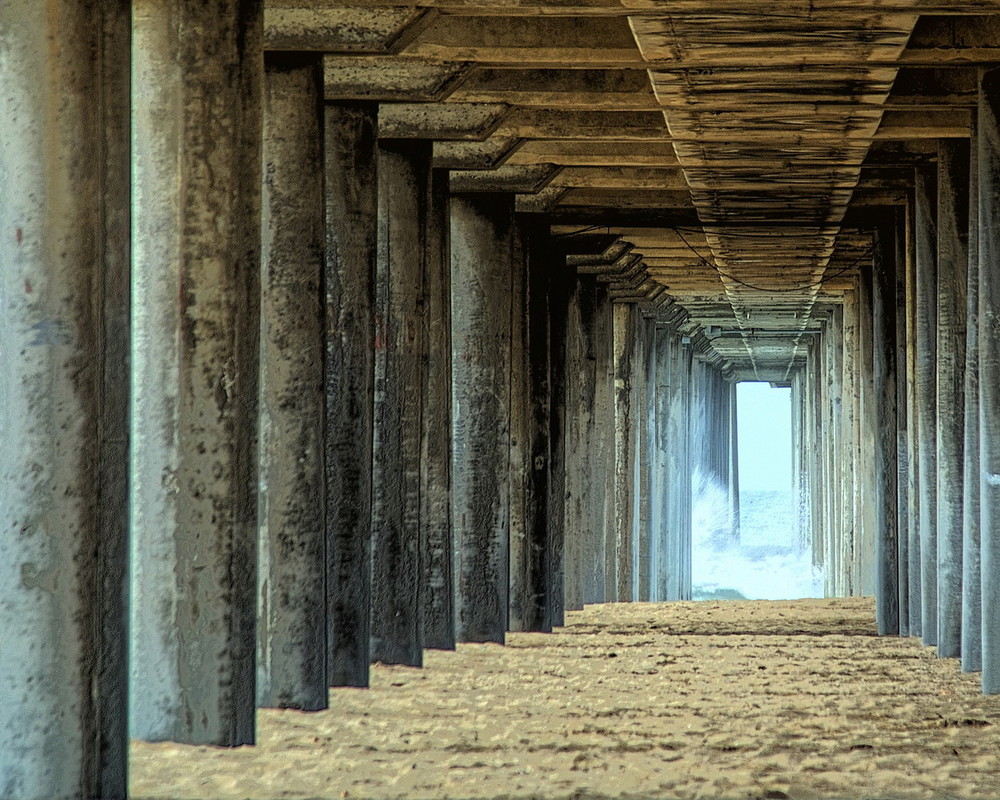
(757, 552)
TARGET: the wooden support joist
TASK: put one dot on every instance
(626, 199)
(633, 266)
(518, 179)
(584, 242)
(929, 86)
(387, 78)
(634, 126)
(585, 89)
(627, 283)
(540, 202)
(341, 28)
(653, 299)
(589, 152)
(475, 121)
(632, 293)
(612, 216)
(906, 124)
(529, 41)
(940, 40)
(625, 264)
(617, 250)
(622, 178)
(490, 153)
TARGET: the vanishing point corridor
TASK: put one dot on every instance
(380, 357)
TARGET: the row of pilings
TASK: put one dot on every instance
(897, 418)
(266, 421)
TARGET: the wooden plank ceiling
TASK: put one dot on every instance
(717, 159)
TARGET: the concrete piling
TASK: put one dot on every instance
(914, 560)
(885, 496)
(643, 573)
(64, 391)
(348, 368)
(660, 554)
(530, 423)
(925, 366)
(435, 488)
(400, 357)
(603, 569)
(953, 262)
(624, 324)
(972, 623)
(580, 366)
(902, 429)
(481, 258)
(678, 471)
(560, 287)
(197, 70)
(292, 635)
(988, 122)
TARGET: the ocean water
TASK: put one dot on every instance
(767, 560)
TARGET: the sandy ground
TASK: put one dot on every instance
(691, 700)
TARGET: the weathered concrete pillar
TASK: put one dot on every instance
(604, 568)
(529, 439)
(849, 566)
(866, 416)
(580, 366)
(645, 499)
(64, 330)
(625, 453)
(351, 227)
(902, 426)
(561, 287)
(989, 370)
(952, 274)
(826, 456)
(678, 472)
(858, 496)
(912, 440)
(684, 477)
(809, 454)
(817, 434)
(925, 229)
(481, 256)
(660, 554)
(522, 574)
(972, 607)
(884, 391)
(819, 459)
(435, 481)
(291, 639)
(734, 462)
(800, 441)
(815, 461)
(833, 400)
(197, 75)
(637, 393)
(400, 353)
(797, 452)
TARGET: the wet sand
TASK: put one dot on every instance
(688, 700)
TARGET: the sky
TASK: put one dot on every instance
(764, 420)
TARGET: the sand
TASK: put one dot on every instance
(687, 700)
